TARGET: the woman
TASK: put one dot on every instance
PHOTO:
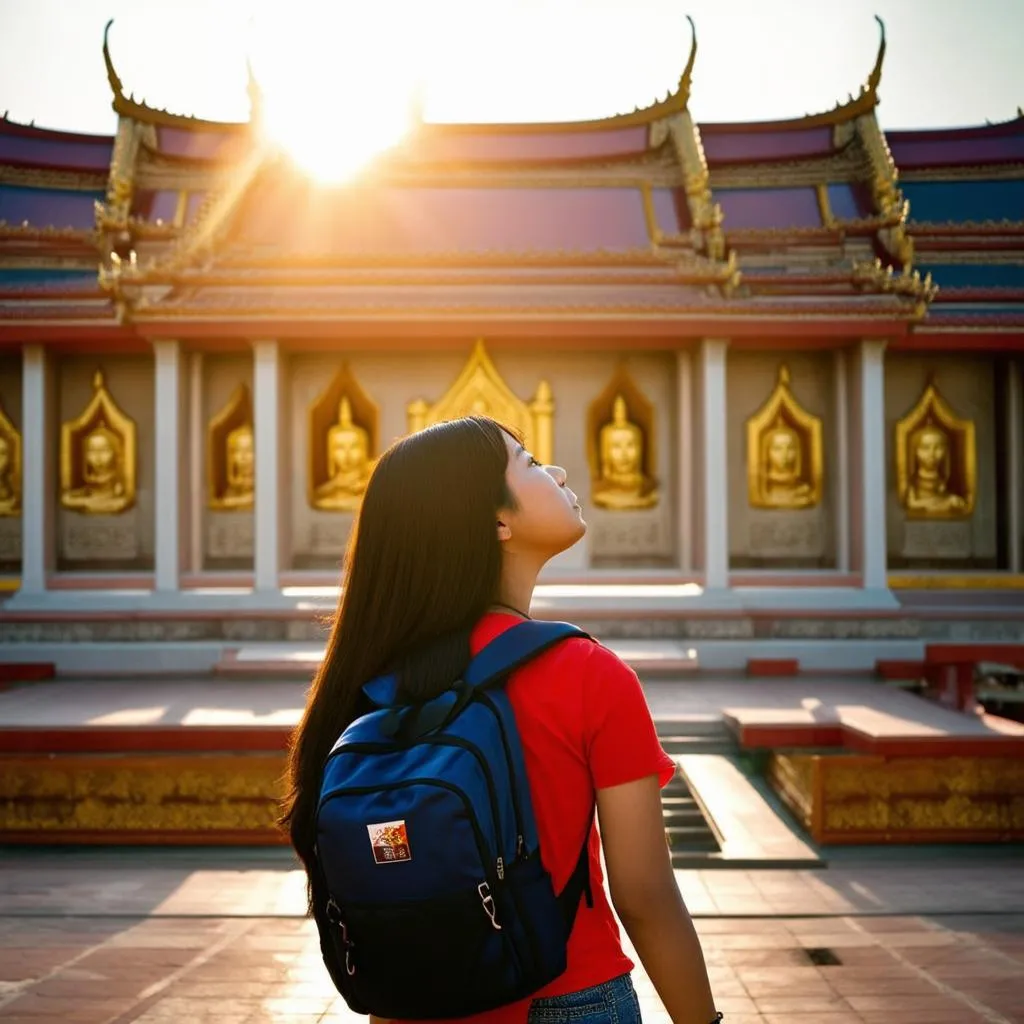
(455, 526)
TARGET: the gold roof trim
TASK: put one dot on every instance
(675, 102)
(139, 110)
(856, 106)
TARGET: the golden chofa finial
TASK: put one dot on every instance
(685, 79)
(875, 78)
(116, 85)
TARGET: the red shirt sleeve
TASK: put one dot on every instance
(621, 741)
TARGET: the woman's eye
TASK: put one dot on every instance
(533, 461)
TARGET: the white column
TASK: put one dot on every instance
(195, 462)
(715, 485)
(1014, 457)
(266, 424)
(684, 463)
(36, 461)
(167, 379)
(871, 499)
(841, 477)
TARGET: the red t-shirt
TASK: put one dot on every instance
(584, 725)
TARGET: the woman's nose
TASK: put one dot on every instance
(558, 474)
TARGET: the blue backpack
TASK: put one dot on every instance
(428, 890)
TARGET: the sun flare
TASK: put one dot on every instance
(332, 105)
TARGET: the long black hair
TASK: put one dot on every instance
(423, 565)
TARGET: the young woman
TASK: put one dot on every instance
(455, 526)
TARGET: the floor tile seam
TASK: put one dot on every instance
(978, 1007)
(150, 995)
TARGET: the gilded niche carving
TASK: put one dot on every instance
(936, 460)
(620, 446)
(480, 390)
(785, 457)
(10, 467)
(343, 428)
(231, 455)
(97, 457)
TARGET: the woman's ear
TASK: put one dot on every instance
(504, 533)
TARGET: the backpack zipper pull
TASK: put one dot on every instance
(501, 869)
(520, 843)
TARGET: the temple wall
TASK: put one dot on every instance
(117, 541)
(10, 401)
(393, 380)
(779, 538)
(968, 385)
(227, 535)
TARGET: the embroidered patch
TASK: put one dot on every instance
(389, 842)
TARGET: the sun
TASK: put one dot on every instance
(328, 98)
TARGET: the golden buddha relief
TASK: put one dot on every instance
(97, 457)
(231, 455)
(785, 452)
(479, 390)
(620, 447)
(10, 467)
(936, 460)
(342, 444)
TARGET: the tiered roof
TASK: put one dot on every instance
(641, 222)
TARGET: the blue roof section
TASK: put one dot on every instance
(13, 278)
(46, 207)
(975, 275)
(945, 202)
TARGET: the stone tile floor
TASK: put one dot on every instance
(112, 937)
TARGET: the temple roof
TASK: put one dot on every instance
(645, 213)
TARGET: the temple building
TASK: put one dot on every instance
(781, 363)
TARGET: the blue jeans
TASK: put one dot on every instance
(614, 1002)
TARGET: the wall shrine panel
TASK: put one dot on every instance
(105, 432)
(10, 465)
(229, 469)
(782, 456)
(941, 505)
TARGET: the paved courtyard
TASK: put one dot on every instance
(112, 937)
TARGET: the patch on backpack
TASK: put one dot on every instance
(390, 842)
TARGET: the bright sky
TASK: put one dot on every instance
(949, 62)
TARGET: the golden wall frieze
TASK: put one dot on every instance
(231, 455)
(936, 460)
(180, 796)
(621, 446)
(785, 452)
(98, 457)
(480, 390)
(10, 467)
(71, 181)
(344, 443)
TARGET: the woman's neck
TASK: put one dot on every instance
(518, 579)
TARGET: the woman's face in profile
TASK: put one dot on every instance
(549, 518)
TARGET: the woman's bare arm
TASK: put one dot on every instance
(648, 901)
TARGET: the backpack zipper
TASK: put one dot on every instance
(492, 791)
(516, 810)
(481, 843)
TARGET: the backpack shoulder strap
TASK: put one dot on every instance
(515, 647)
(503, 655)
